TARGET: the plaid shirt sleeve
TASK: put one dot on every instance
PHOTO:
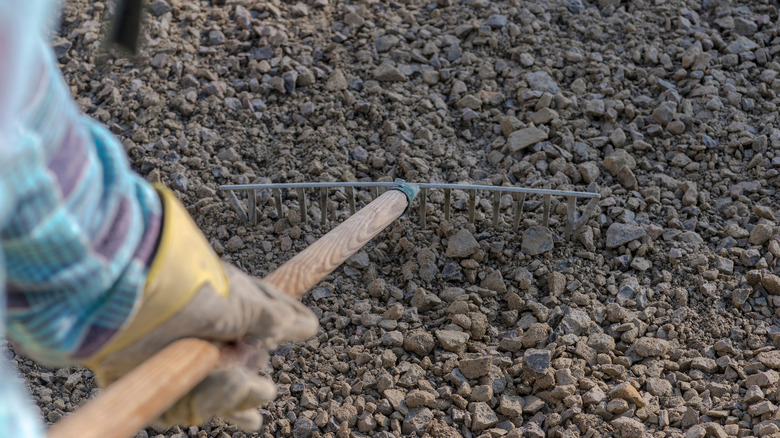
(78, 228)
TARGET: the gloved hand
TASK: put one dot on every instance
(191, 293)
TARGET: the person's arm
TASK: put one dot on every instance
(17, 415)
(104, 270)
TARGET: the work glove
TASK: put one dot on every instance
(191, 293)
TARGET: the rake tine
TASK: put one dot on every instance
(351, 197)
(472, 201)
(546, 217)
(496, 212)
(447, 203)
(302, 202)
(571, 208)
(423, 205)
(374, 192)
(323, 205)
(519, 205)
(252, 207)
(585, 216)
(237, 207)
(278, 198)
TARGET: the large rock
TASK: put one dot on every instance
(628, 427)
(658, 387)
(619, 159)
(627, 392)
(621, 234)
(336, 81)
(651, 347)
(418, 398)
(771, 283)
(511, 406)
(461, 244)
(741, 44)
(420, 342)
(424, 300)
(537, 361)
(417, 421)
(523, 138)
(475, 368)
(537, 240)
(482, 417)
(452, 340)
(387, 73)
(576, 322)
(542, 81)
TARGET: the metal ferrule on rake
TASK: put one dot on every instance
(574, 223)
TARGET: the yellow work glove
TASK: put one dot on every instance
(191, 293)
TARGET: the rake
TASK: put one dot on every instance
(140, 396)
(574, 223)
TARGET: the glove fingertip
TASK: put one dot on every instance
(248, 420)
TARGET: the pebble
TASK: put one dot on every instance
(482, 416)
(760, 234)
(523, 138)
(496, 21)
(628, 427)
(417, 421)
(650, 347)
(537, 361)
(336, 81)
(771, 283)
(424, 300)
(461, 244)
(476, 367)
(537, 240)
(387, 73)
(627, 392)
(418, 398)
(620, 234)
(419, 342)
(452, 340)
(542, 81)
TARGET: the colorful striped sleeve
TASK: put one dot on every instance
(78, 227)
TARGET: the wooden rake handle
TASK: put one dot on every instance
(146, 392)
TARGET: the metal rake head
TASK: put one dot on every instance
(574, 223)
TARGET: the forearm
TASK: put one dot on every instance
(83, 232)
(77, 227)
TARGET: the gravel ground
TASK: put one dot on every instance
(659, 319)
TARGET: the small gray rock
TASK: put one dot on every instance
(496, 21)
(419, 342)
(511, 406)
(387, 73)
(417, 421)
(424, 300)
(461, 244)
(304, 428)
(537, 361)
(537, 240)
(651, 347)
(542, 81)
(621, 234)
(386, 42)
(523, 138)
(482, 417)
(475, 368)
(452, 340)
(741, 45)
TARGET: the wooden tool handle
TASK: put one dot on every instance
(311, 265)
(146, 392)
